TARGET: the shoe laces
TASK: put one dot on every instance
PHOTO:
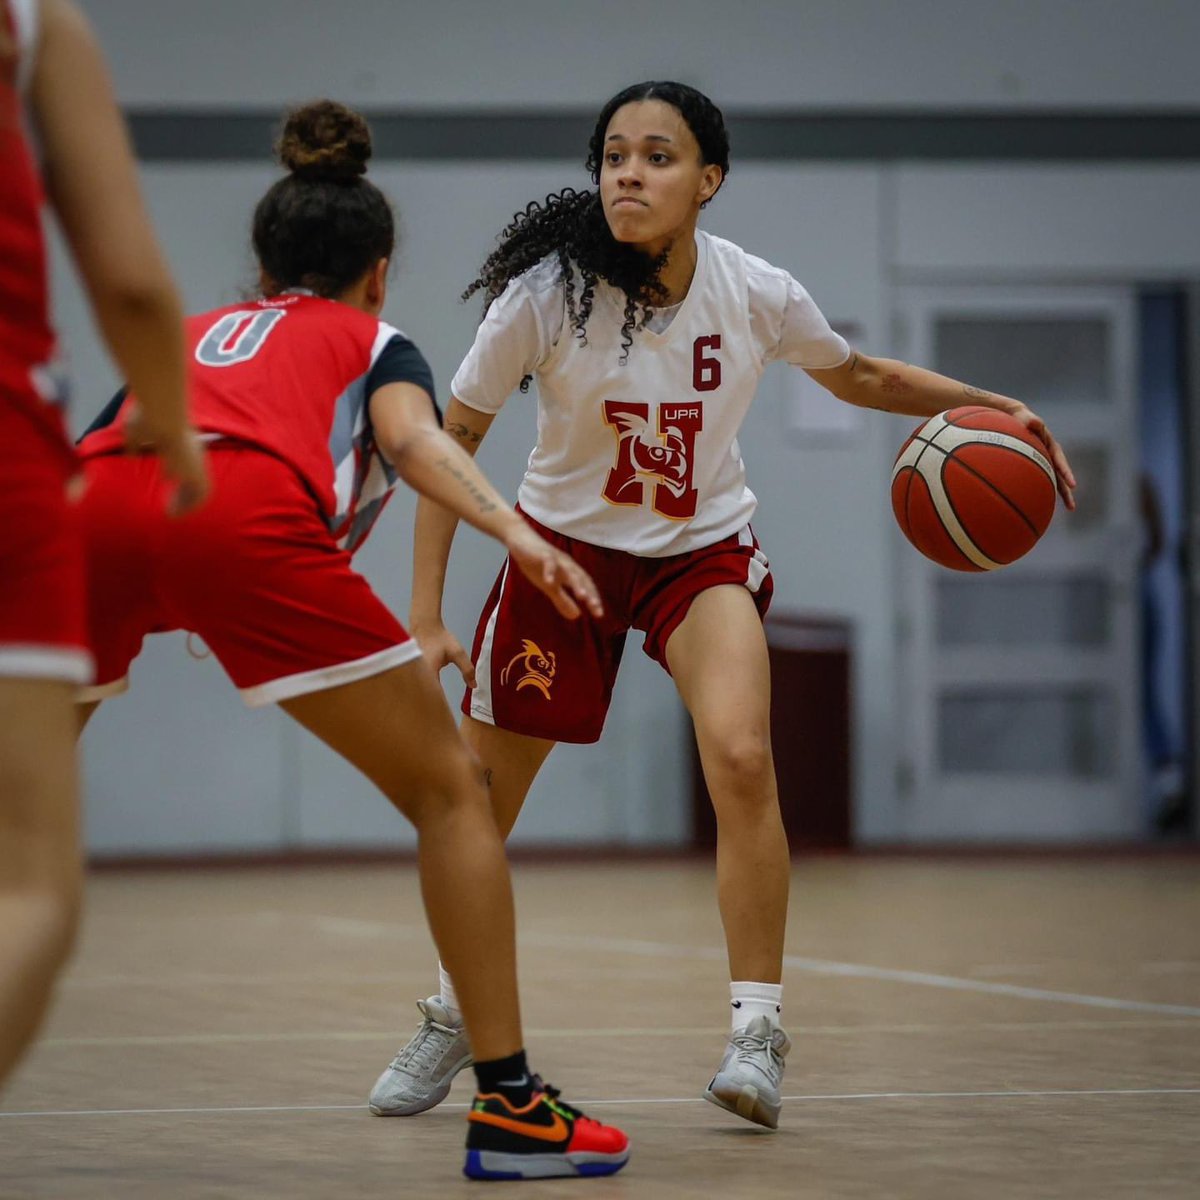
(748, 1047)
(552, 1094)
(425, 1047)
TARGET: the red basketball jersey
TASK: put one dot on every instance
(27, 344)
(294, 375)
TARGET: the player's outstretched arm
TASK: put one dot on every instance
(899, 387)
(432, 538)
(434, 463)
(92, 181)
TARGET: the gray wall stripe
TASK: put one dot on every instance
(203, 135)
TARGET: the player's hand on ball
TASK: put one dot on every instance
(441, 648)
(1058, 460)
(566, 583)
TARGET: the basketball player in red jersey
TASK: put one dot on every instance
(647, 337)
(50, 64)
(313, 409)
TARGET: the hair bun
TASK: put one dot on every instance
(325, 140)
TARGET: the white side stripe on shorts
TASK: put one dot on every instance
(481, 697)
(758, 567)
(58, 663)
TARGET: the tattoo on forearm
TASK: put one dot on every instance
(485, 505)
(976, 393)
(487, 777)
(464, 434)
(896, 384)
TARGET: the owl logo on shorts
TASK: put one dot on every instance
(537, 666)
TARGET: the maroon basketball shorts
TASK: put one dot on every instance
(255, 573)
(544, 676)
(43, 628)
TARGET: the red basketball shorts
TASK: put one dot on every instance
(255, 573)
(43, 627)
(539, 674)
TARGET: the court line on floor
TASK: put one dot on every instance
(194, 979)
(128, 1041)
(817, 1097)
(831, 967)
(828, 967)
(81, 980)
(822, 966)
(1018, 991)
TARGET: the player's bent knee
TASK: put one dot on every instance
(739, 762)
(454, 785)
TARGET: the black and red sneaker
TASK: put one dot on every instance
(544, 1139)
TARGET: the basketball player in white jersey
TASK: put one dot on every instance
(647, 338)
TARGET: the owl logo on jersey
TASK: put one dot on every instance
(537, 666)
(666, 460)
(666, 457)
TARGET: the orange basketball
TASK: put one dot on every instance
(972, 489)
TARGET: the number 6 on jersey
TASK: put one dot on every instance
(706, 372)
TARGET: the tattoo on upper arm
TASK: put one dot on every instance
(894, 383)
(460, 431)
(976, 393)
(483, 503)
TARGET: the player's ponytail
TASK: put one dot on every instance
(570, 225)
(323, 225)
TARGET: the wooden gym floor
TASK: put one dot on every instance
(1025, 1028)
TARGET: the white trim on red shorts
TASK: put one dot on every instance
(759, 567)
(481, 696)
(30, 661)
(304, 682)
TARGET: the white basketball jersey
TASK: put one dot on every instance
(637, 450)
(642, 454)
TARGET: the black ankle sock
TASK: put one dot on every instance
(509, 1076)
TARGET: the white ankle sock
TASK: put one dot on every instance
(447, 995)
(749, 1000)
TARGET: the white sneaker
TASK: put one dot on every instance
(747, 1081)
(419, 1077)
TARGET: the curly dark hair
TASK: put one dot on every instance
(323, 224)
(571, 224)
